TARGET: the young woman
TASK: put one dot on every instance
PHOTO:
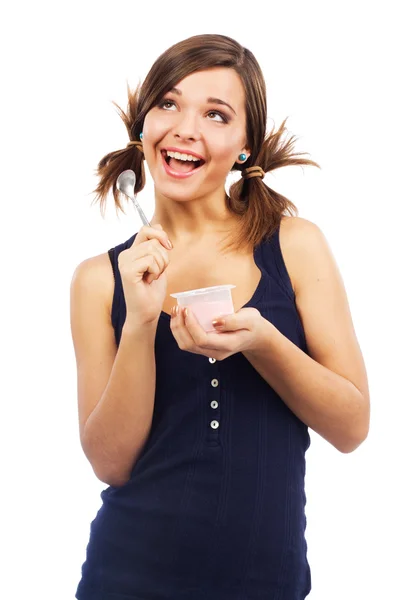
(201, 437)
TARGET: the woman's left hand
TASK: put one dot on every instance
(234, 333)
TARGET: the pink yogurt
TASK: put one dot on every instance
(206, 312)
(207, 303)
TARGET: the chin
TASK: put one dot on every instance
(179, 195)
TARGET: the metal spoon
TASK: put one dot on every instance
(126, 184)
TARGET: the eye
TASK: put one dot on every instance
(223, 118)
(164, 102)
(221, 115)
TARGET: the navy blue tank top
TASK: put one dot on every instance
(215, 505)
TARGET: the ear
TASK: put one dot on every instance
(247, 151)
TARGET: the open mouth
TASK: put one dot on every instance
(181, 166)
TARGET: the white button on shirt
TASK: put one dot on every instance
(214, 404)
(214, 424)
(212, 360)
(214, 382)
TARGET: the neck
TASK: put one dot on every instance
(196, 220)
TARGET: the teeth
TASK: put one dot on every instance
(180, 156)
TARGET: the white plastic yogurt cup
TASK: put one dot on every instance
(207, 303)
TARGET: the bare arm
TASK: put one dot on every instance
(327, 390)
(118, 427)
(326, 401)
(115, 386)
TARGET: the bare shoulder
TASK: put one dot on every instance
(321, 301)
(297, 225)
(310, 262)
(300, 239)
(95, 274)
(93, 337)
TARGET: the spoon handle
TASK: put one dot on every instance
(141, 213)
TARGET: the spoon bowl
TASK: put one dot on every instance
(126, 184)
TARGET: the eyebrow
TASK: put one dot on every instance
(211, 100)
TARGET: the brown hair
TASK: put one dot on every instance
(259, 206)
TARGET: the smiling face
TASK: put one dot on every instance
(194, 117)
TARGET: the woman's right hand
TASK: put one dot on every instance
(142, 268)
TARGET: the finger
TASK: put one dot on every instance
(147, 264)
(133, 269)
(211, 344)
(145, 250)
(154, 245)
(148, 247)
(180, 331)
(148, 232)
(243, 319)
(195, 330)
(153, 248)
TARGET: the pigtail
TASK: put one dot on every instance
(130, 157)
(261, 207)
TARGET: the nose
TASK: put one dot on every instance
(187, 128)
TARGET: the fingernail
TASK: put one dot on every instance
(185, 313)
(218, 323)
(169, 244)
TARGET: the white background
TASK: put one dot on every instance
(329, 67)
